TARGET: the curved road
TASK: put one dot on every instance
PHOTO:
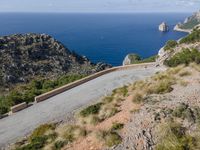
(58, 107)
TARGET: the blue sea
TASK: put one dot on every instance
(100, 37)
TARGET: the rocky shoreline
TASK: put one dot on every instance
(177, 28)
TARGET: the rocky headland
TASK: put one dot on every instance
(26, 57)
(189, 23)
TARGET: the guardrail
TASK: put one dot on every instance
(84, 80)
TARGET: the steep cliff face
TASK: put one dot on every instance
(24, 57)
(189, 22)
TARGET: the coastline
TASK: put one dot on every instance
(176, 28)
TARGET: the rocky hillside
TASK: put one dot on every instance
(135, 59)
(159, 113)
(189, 22)
(175, 49)
(25, 57)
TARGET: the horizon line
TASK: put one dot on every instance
(84, 12)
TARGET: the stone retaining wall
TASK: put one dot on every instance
(84, 80)
(18, 107)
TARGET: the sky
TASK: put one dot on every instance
(99, 5)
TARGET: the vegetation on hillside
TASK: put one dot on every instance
(174, 136)
(136, 59)
(190, 25)
(170, 45)
(27, 92)
(192, 38)
(106, 113)
(186, 56)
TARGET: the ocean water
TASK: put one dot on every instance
(100, 37)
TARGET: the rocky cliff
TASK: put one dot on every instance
(28, 56)
(189, 23)
(130, 59)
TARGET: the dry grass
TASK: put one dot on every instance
(110, 138)
(138, 97)
(173, 136)
(195, 66)
(183, 83)
(92, 117)
(184, 73)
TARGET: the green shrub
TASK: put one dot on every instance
(93, 109)
(138, 98)
(161, 87)
(172, 136)
(59, 144)
(136, 59)
(196, 113)
(184, 112)
(186, 57)
(73, 132)
(41, 130)
(122, 90)
(117, 126)
(149, 59)
(191, 38)
(27, 92)
(170, 44)
(110, 138)
(35, 144)
(178, 111)
(3, 110)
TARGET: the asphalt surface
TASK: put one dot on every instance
(58, 107)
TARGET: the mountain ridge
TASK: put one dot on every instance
(27, 56)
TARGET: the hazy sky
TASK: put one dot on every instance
(99, 5)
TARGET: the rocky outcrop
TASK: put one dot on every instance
(163, 27)
(130, 59)
(24, 57)
(178, 28)
(189, 23)
(166, 54)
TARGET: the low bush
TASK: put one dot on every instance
(108, 99)
(184, 73)
(186, 57)
(73, 132)
(59, 145)
(41, 130)
(107, 111)
(110, 138)
(35, 144)
(138, 98)
(161, 87)
(172, 136)
(191, 38)
(170, 44)
(184, 112)
(121, 91)
(27, 92)
(117, 126)
(93, 109)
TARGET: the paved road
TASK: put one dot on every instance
(57, 107)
